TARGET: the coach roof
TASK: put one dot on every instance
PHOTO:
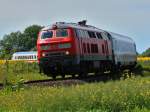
(26, 53)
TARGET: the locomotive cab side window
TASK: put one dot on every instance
(77, 33)
(61, 33)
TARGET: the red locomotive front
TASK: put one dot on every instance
(56, 50)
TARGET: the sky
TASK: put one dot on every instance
(126, 17)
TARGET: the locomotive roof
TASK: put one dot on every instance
(89, 28)
(73, 25)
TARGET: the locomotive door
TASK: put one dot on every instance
(79, 39)
(80, 46)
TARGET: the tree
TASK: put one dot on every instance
(30, 37)
(10, 44)
(17, 41)
(146, 53)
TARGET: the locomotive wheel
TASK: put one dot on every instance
(54, 76)
(73, 75)
(45, 71)
(83, 74)
(63, 76)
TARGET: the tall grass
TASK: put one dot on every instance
(12, 71)
(114, 96)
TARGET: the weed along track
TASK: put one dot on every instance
(67, 81)
(90, 78)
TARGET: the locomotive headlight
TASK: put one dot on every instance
(67, 52)
(45, 47)
(65, 45)
(43, 54)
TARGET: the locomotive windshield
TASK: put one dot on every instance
(61, 33)
(47, 34)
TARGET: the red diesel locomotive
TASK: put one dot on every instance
(69, 48)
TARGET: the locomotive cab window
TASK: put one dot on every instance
(79, 33)
(61, 33)
(47, 34)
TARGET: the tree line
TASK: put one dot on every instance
(19, 41)
(146, 53)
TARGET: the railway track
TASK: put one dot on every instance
(67, 81)
(72, 81)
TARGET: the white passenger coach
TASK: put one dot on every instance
(30, 56)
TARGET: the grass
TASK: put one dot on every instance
(131, 94)
(145, 64)
(114, 96)
(15, 71)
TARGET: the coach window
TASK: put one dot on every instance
(62, 33)
(34, 57)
